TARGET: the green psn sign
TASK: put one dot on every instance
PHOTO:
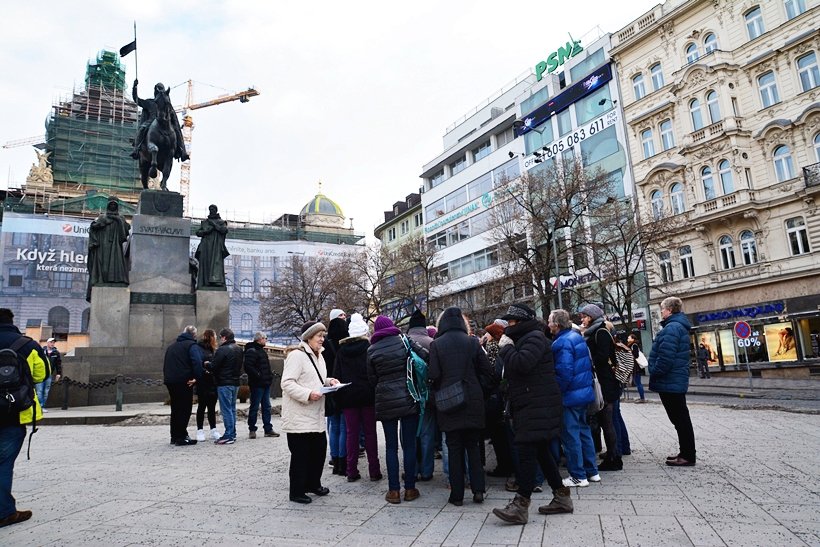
(557, 58)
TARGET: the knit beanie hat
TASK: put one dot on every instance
(417, 320)
(495, 330)
(309, 329)
(382, 323)
(519, 312)
(335, 312)
(357, 326)
(592, 311)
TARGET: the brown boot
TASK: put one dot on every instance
(393, 496)
(516, 512)
(561, 503)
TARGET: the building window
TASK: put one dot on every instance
(748, 247)
(506, 136)
(564, 122)
(15, 278)
(417, 220)
(391, 234)
(808, 71)
(725, 173)
(405, 227)
(727, 253)
(710, 43)
(228, 284)
(60, 319)
(246, 289)
(638, 86)
(666, 267)
(713, 106)
(817, 146)
(708, 183)
(647, 144)
(437, 179)
(676, 196)
(657, 76)
(483, 150)
(85, 319)
(246, 261)
(458, 165)
(798, 236)
(656, 198)
(266, 262)
(783, 166)
(667, 135)
(687, 265)
(696, 115)
(754, 23)
(247, 323)
(768, 89)
(62, 280)
(794, 8)
(692, 53)
(265, 287)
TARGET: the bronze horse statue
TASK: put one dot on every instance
(156, 152)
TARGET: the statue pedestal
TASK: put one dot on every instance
(110, 310)
(211, 310)
(159, 249)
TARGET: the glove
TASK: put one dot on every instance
(505, 340)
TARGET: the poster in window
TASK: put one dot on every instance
(781, 342)
(707, 340)
(727, 347)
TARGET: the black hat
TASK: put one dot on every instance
(519, 312)
(417, 320)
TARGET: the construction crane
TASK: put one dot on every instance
(39, 139)
(188, 129)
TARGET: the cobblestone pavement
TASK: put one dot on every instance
(756, 483)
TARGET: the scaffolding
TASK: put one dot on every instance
(90, 134)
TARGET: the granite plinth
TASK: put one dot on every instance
(211, 309)
(160, 203)
(108, 324)
(159, 251)
(158, 325)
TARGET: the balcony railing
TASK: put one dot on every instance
(811, 174)
(739, 197)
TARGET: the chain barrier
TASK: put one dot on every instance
(117, 381)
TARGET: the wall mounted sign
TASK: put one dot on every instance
(558, 58)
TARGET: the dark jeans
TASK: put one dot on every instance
(307, 461)
(409, 424)
(260, 395)
(621, 432)
(427, 443)
(459, 442)
(606, 421)
(530, 456)
(362, 419)
(206, 401)
(636, 379)
(678, 412)
(182, 401)
(11, 441)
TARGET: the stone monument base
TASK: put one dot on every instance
(110, 310)
(211, 310)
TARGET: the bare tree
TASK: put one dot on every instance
(368, 278)
(416, 260)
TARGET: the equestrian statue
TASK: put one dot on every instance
(159, 137)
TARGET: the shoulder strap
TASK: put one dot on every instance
(19, 343)
(314, 366)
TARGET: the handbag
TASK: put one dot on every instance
(453, 396)
(330, 403)
(624, 362)
(641, 360)
(599, 403)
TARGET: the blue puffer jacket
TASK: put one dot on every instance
(573, 368)
(669, 358)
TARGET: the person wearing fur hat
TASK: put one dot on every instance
(602, 349)
(387, 371)
(303, 412)
(417, 331)
(357, 400)
(336, 427)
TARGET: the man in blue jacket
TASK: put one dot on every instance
(573, 370)
(669, 376)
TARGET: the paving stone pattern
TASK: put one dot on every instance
(756, 483)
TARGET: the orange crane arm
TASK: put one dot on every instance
(242, 97)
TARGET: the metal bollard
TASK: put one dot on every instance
(118, 408)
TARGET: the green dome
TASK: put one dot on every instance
(322, 205)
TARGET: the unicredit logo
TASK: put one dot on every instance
(67, 228)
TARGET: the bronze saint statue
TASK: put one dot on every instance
(211, 252)
(106, 257)
(159, 137)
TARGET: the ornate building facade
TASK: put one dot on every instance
(722, 104)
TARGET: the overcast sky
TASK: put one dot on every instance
(355, 94)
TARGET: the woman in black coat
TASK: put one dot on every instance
(537, 411)
(206, 388)
(455, 356)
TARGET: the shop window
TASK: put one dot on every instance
(768, 89)
(797, 235)
(708, 183)
(677, 198)
(657, 76)
(687, 265)
(783, 165)
(754, 23)
(725, 174)
(748, 247)
(710, 43)
(727, 253)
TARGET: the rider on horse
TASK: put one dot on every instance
(149, 114)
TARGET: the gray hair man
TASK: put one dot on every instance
(260, 378)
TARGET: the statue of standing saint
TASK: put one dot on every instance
(106, 256)
(211, 252)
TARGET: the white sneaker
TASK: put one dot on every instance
(215, 434)
(595, 478)
(45, 410)
(200, 435)
(572, 481)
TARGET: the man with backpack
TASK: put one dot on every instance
(22, 364)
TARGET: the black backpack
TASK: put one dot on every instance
(16, 383)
